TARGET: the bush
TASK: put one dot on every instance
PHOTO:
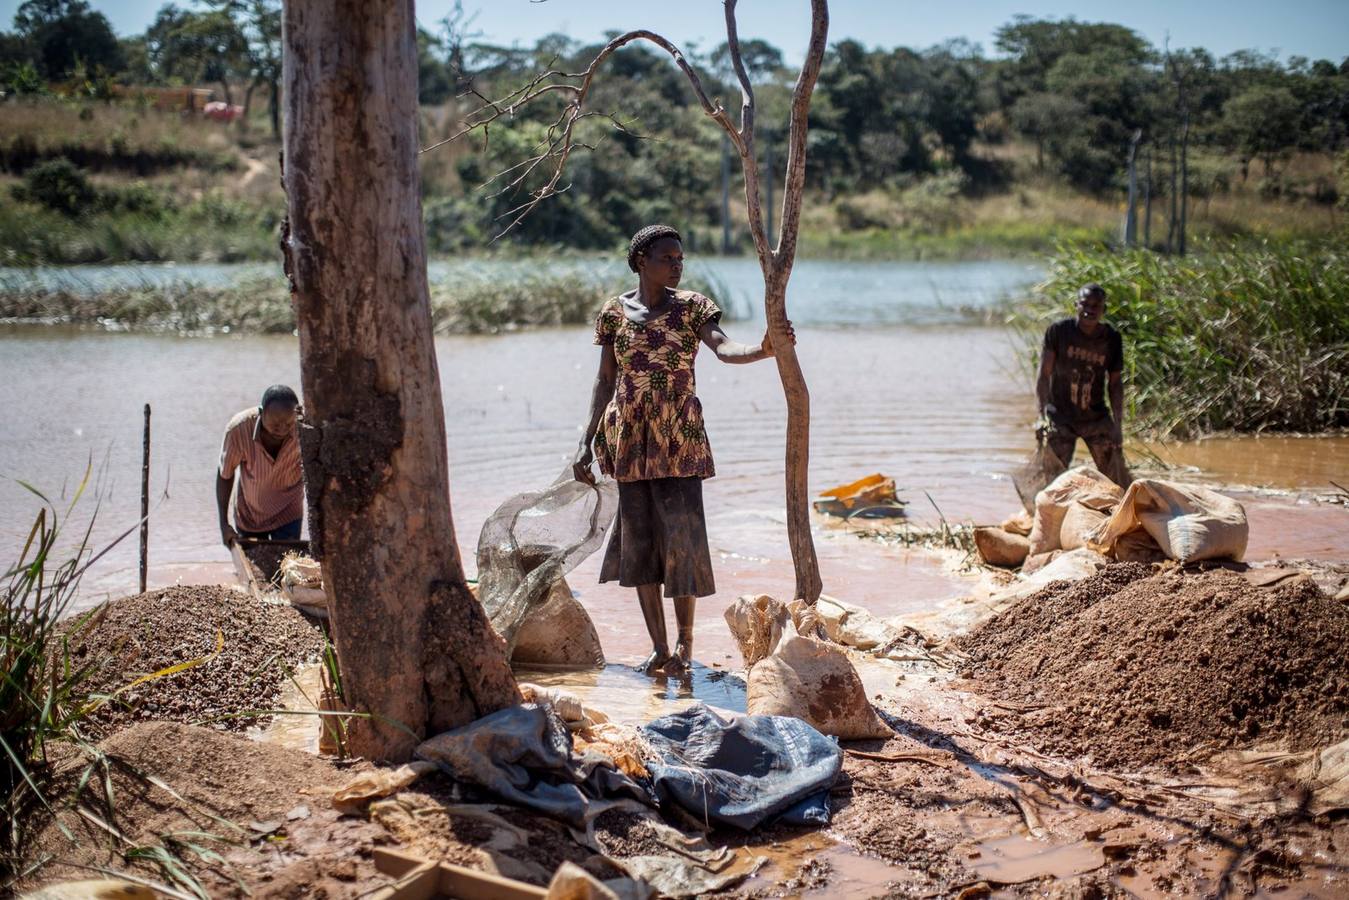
(58, 185)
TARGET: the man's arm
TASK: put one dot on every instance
(224, 488)
(1117, 404)
(1042, 383)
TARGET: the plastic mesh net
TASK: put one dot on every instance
(535, 538)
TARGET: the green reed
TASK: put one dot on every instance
(470, 303)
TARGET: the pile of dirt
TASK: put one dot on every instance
(1130, 669)
(145, 633)
(174, 788)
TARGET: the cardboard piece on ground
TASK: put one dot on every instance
(872, 495)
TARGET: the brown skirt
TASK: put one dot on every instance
(660, 537)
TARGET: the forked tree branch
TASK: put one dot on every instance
(795, 181)
(559, 140)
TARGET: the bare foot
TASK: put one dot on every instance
(684, 648)
(654, 663)
(679, 663)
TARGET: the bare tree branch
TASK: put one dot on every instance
(748, 156)
(560, 137)
(785, 253)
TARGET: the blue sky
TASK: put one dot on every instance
(1312, 28)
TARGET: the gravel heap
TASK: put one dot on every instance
(1129, 669)
(144, 633)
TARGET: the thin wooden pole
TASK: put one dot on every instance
(145, 499)
(725, 196)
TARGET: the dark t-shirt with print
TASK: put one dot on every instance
(1081, 363)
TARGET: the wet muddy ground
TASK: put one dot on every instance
(954, 805)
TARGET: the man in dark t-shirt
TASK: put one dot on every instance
(1082, 359)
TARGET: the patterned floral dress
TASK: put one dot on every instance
(653, 427)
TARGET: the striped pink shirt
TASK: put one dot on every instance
(271, 491)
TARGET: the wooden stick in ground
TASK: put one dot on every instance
(145, 501)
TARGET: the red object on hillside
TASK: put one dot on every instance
(219, 111)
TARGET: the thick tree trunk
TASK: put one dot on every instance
(415, 648)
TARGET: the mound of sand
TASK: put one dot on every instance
(148, 632)
(1130, 669)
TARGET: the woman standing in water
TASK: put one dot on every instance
(646, 425)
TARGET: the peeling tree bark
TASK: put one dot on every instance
(415, 648)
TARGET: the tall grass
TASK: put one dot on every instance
(108, 137)
(44, 702)
(40, 698)
(472, 303)
(1242, 337)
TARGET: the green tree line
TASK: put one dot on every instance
(921, 123)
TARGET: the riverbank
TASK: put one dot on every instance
(259, 304)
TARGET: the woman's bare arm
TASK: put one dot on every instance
(600, 395)
(729, 351)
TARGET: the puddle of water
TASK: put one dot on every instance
(630, 698)
(1016, 858)
(301, 731)
(846, 872)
